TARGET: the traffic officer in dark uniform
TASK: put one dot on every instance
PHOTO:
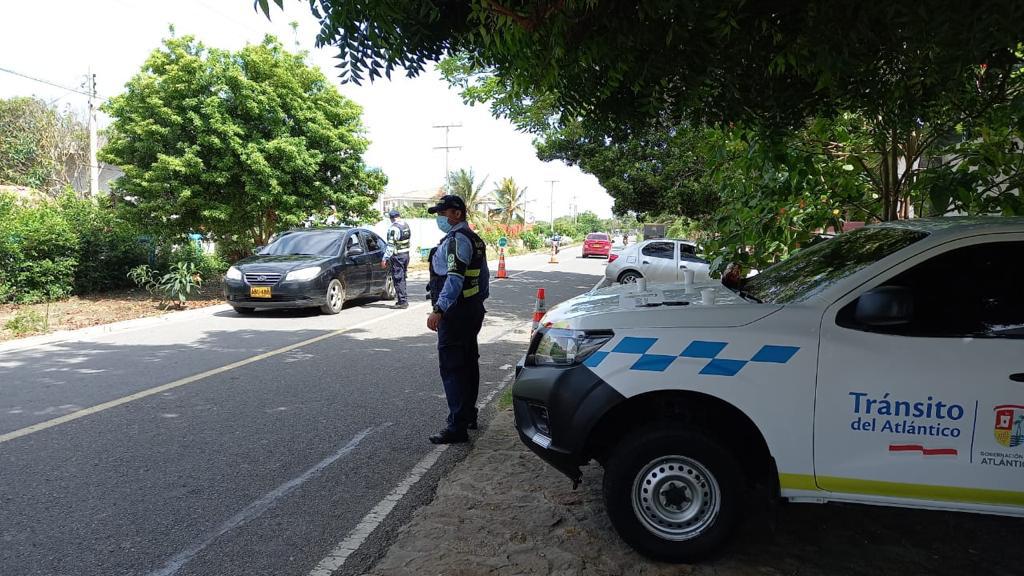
(458, 288)
(397, 254)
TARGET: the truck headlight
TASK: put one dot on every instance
(561, 347)
(233, 274)
(303, 273)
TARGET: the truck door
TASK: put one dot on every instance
(924, 400)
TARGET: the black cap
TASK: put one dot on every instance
(446, 202)
(393, 213)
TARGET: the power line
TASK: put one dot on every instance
(47, 82)
(67, 89)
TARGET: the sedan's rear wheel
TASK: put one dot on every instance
(389, 289)
(335, 297)
(629, 277)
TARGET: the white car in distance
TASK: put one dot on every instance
(659, 261)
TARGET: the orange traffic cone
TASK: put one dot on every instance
(538, 310)
(502, 273)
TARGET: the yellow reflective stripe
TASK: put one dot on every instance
(797, 482)
(902, 490)
(473, 272)
(471, 291)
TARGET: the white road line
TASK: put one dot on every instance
(354, 539)
(258, 507)
(190, 379)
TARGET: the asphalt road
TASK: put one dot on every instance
(201, 447)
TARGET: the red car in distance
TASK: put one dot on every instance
(597, 244)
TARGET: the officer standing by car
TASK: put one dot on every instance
(458, 290)
(397, 253)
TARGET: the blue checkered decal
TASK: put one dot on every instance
(716, 366)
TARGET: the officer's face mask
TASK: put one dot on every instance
(443, 224)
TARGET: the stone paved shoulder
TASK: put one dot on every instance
(502, 511)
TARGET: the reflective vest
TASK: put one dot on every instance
(471, 271)
(400, 234)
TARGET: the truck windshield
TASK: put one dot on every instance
(814, 269)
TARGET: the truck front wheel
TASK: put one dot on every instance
(672, 493)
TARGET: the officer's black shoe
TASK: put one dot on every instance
(449, 437)
(401, 305)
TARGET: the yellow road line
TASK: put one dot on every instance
(189, 380)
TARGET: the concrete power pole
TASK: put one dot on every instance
(94, 169)
(552, 182)
(447, 150)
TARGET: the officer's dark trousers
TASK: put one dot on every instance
(459, 358)
(399, 265)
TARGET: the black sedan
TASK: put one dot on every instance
(309, 268)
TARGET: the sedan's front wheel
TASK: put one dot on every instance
(335, 297)
(672, 493)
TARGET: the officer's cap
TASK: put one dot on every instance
(446, 202)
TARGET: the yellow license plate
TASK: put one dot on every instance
(259, 291)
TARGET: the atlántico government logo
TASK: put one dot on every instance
(1010, 425)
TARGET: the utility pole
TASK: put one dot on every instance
(447, 150)
(552, 182)
(94, 169)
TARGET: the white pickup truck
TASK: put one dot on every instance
(884, 366)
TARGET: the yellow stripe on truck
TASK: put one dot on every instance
(901, 490)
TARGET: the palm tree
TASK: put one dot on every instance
(463, 183)
(511, 201)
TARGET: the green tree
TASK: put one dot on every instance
(511, 201)
(241, 144)
(587, 222)
(720, 61)
(40, 146)
(462, 183)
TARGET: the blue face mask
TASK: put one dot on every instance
(442, 223)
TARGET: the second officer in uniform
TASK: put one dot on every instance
(459, 287)
(397, 254)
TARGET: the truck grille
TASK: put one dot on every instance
(262, 278)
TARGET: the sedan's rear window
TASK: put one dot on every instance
(597, 237)
(311, 243)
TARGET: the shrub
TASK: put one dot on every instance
(27, 322)
(531, 240)
(181, 282)
(108, 246)
(41, 254)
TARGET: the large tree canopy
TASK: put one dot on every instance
(241, 143)
(773, 62)
(40, 146)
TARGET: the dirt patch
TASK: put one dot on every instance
(94, 309)
(503, 511)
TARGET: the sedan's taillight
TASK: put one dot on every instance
(612, 256)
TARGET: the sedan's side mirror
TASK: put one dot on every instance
(885, 306)
(354, 251)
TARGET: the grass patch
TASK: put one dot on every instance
(505, 400)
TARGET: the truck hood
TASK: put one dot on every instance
(659, 306)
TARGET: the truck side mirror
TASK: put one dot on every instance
(885, 306)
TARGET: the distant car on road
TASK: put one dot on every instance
(597, 244)
(658, 261)
(310, 268)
